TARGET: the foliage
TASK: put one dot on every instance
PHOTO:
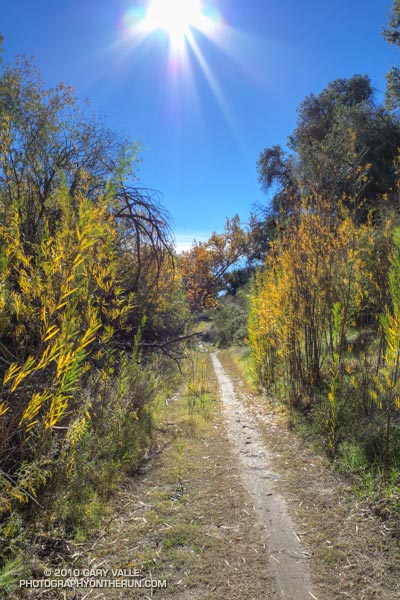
(386, 392)
(203, 267)
(310, 268)
(322, 315)
(392, 35)
(110, 443)
(14, 570)
(61, 303)
(277, 169)
(263, 229)
(47, 142)
(230, 320)
(392, 32)
(316, 324)
(344, 146)
(89, 301)
(198, 390)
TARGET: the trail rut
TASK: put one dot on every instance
(288, 560)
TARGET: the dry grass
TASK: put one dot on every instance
(185, 518)
(355, 554)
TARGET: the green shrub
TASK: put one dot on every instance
(230, 321)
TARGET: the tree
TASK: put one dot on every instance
(277, 171)
(48, 142)
(88, 290)
(344, 146)
(313, 266)
(203, 267)
(392, 34)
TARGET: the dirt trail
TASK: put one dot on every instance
(211, 512)
(288, 560)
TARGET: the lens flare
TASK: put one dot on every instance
(175, 17)
(188, 26)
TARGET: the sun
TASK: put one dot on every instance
(175, 17)
(187, 24)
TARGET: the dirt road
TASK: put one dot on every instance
(288, 560)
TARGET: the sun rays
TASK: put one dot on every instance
(190, 48)
(176, 18)
(185, 24)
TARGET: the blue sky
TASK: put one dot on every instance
(203, 124)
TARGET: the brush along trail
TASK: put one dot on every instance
(232, 505)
